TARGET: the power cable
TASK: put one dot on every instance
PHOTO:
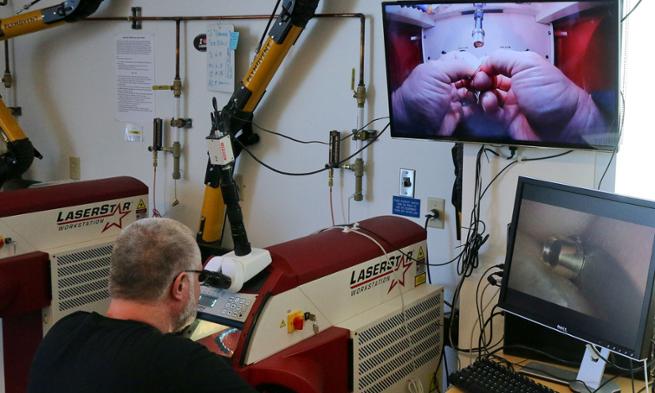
(631, 11)
(609, 163)
(268, 24)
(27, 6)
(315, 171)
(280, 134)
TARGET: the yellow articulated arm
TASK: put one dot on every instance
(20, 152)
(33, 21)
(235, 118)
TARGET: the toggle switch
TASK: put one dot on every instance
(407, 184)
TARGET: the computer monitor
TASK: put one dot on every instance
(581, 262)
(540, 73)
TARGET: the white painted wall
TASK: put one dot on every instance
(65, 86)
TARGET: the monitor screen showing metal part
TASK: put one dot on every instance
(540, 73)
(581, 262)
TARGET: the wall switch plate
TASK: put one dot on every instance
(438, 204)
(407, 186)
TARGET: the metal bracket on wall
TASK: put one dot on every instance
(181, 123)
(364, 135)
(136, 18)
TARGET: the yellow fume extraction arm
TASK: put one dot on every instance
(236, 118)
(20, 152)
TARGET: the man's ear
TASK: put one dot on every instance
(178, 287)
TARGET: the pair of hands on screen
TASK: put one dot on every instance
(521, 90)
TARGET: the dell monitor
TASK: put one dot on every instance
(582, 262)
(539, 73)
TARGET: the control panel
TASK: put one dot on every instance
(225, 305)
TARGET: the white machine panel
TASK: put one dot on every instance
(353, 291)
(79, 280)
(366, 285)
(68, 226)
(398, 341)
(271, 334)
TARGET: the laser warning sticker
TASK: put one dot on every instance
(141, 210)
(141, 205)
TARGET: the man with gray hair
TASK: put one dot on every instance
(154, 286)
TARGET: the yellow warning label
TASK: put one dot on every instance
(421, 254)
(282, 324)
(141, 205)
(420, 279)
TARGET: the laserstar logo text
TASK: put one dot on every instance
(110, 214)
(392, 271)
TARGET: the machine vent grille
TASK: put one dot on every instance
(385, 352)
(82, 277)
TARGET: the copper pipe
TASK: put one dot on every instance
(362, 20)
(177, 49)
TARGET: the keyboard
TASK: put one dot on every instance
(485, 376)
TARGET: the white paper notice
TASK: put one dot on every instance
(221, 44)
(135, 74)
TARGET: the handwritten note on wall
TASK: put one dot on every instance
(221, 43)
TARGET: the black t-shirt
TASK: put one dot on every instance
(92, 353)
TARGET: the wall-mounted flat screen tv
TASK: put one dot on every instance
(541, 73)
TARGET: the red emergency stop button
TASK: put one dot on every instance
(298, 322)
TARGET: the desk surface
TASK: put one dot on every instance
(624, 383)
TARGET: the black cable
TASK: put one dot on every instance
(311, 172)
(475, 238)
(498, 175)
(426, 262)
(478, 305)
(631, 11)
(445, 363)
(441, 357)
(609, 163)
(608, 361)
(526, 160)
(313, 142)
(548, 157)
(27, 6)
(451, 324)
(268, 24)
(483, 345)
(280, 134)
(287, 136)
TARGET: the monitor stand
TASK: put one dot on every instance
(591, 372)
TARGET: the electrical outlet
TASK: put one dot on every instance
(74, 169)
(439, 205)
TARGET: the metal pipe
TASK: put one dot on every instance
(478, 31)
(360, 16)
(177, 82)
(177, 49)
